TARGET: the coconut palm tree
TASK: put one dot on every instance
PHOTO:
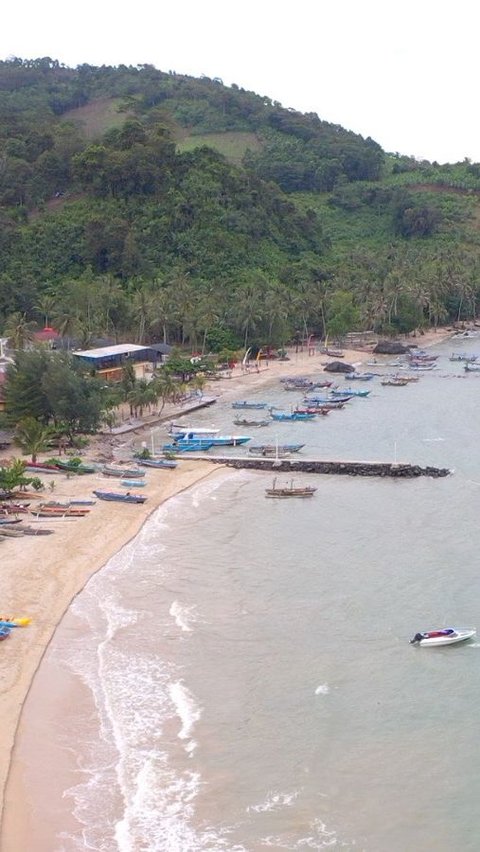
(18, 330)
(32, 437)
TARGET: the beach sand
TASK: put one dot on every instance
(40, 576)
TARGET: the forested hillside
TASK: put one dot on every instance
(158, 206)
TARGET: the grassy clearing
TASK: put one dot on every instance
(98, 116)
(231, 144)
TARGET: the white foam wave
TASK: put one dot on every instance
(431, 440)
(274, 802)
(186, 707)
(322, 689)
(184, 616)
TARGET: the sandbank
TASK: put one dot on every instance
(40, 576)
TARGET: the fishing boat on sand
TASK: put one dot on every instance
(116, 496)
(445, 636)
(159, 463)
(289, 490)
(122, 472)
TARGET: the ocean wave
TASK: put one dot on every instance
(274, 802)
(322, 689)
(186, 708)
(184, 616)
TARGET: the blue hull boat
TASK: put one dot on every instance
(294, 415)
(350, 392)
(132, 483)
(188, 447)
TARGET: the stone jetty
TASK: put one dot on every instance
(346, 468)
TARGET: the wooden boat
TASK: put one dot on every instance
(245, 404)
(122, 472)
(396, 383)
(313, 410)
(9, 520)
(243, 422)
(14, 508)
(15, 621)
(11, 532)
(350, 392)
(26, 530)
(188, 447)
(58, 512)
(158, 463)
(179, 430)
(290, 448)
(116, 496)
(463, 356)
(445, 636)
(336, 399)
(216, 440)
(289, 490)
(81, 468)
(4, 632)
(281, 416)
(268, 453)
(334, 353)
(359, 377)
(132, 483)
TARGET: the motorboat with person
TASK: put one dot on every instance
(444, 636)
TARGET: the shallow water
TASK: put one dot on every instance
(252, 682)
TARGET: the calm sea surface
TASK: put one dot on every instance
(249, 661)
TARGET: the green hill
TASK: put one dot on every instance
(138, 202)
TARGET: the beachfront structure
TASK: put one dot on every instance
(108, 361)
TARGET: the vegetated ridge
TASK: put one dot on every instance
(138, 202)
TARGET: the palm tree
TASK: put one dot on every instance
(18, 330)
(32, 437)
(46, 307)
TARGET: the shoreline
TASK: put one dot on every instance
(45, 574)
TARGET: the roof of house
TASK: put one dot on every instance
(110, 351)
(162, 348)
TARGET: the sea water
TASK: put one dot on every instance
(248, 663)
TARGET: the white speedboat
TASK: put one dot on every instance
(445, 636)
(180, 431)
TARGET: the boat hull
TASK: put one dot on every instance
(434, 639)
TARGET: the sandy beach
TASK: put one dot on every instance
(40, 576)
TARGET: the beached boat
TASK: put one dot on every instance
(15, 620)
(116, 496)
(37, 468)
(445, 636)
(4, 632)
(159, 463)
(27, 530)
(9, 520)
(281, 416)
(60, 511)
(81, 468)
(289, 490)
(246, 404)
(132, 483)
(122, 472)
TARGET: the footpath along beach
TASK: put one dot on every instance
(40, 576)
